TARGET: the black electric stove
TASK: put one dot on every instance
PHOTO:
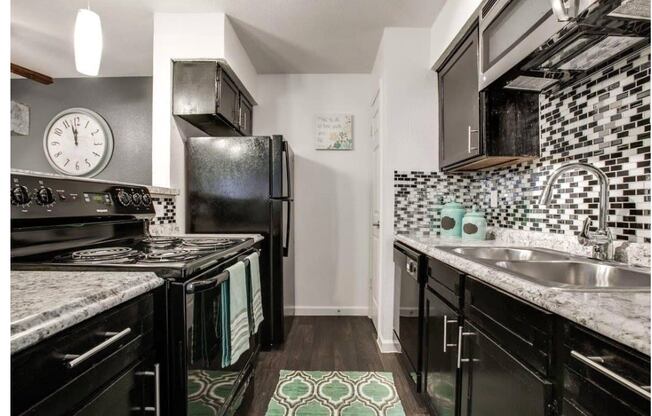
(90, 225)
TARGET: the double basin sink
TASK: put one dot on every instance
(556, 269)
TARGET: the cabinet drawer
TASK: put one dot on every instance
(82, 358)
(602, 377)
(522, 328)
(446, 281)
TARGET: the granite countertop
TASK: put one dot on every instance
(157, 190)
(45, 303)
(622, 316)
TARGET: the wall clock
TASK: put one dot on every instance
(78, 142)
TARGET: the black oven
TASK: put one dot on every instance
(199, 383)
(409, 268)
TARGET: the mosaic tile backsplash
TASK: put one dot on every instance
(165, 208)
(603, 120)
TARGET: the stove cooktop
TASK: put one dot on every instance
(178, 255)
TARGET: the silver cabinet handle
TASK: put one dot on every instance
(461, 334)
(471, 131)
(376, 224)
(76, 359)
(446, 322)
(157, 389)
(411, 267)
(592, 362)
(157, 386)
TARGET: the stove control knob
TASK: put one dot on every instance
(147, 200)
(44, 196)
(124, 198)
(137, 198)
(20, 195)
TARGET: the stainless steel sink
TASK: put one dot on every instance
(506, 253)
(559, 270)
(580, 275)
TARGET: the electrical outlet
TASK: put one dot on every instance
(494, 198)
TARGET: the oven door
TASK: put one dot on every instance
(210, 387)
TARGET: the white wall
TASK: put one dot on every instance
(448, 23)
(332, 188)
(238, 60)
(407, 141)
(186, 36)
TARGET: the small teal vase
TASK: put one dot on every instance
(474, 226)
(451, 219)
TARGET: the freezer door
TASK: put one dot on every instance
(228, 184)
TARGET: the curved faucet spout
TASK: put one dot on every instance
(601, 240)
(603, 182)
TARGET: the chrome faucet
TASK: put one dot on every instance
(601, 240)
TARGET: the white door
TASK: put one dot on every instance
(374, 287)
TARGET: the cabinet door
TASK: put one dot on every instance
(441, 323)
(495, 383)
(227, 104)
(459, 104)
(245, 116)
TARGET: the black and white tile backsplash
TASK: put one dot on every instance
(603, 120)
(165, 208)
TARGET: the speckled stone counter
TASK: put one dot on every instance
(45, 303)
(622, 316)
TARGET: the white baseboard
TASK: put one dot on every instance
(330, 310)
(387, 346)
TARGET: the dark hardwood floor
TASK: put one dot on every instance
(328, 343)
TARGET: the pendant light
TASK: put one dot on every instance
(88, 42)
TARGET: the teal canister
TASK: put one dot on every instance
(451, 219)
(474, 226)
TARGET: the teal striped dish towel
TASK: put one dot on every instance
(257, 301)
(235, 315)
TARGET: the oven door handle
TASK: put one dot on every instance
(203, 285)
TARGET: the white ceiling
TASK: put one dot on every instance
(280, 36)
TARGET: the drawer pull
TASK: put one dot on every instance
(73, 360)
(446, 322)
(461, 334)
(591, 362)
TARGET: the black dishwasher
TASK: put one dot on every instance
(409, 267)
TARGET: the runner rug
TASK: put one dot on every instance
(335, 393)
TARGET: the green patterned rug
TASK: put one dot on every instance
(335, 393)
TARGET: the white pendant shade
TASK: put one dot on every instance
(88, 42)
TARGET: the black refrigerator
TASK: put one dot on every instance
(244, 185)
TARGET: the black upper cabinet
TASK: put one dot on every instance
(245, 116)
(209, 96)
(481, 129)
(459, 120)
(228, 99)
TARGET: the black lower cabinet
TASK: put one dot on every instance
(440, 375)
(107, 365)
(494, 382)
(602, 378)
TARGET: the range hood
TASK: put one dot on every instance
(564, 40)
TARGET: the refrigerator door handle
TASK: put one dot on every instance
(286, 244)
(288, 174)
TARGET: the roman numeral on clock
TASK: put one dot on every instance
(66, 124)
(96, 154)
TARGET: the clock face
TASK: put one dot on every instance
(78, 142)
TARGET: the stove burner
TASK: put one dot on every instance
(161, 242)
(165, 256)
(195, 244)
(105, 255)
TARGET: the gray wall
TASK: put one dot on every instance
(125, 103)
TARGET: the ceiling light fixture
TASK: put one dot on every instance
(88, 42)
